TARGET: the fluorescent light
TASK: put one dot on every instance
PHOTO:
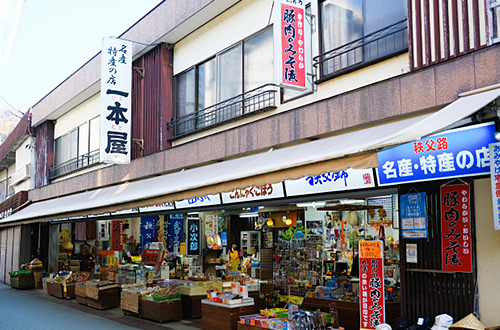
(313, 204)
(249, 215)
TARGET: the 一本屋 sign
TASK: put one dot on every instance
(289, 31)
(454, 153)
(371, 288)
(116, 88)
(455, 228)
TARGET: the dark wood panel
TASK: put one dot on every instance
(217, 318)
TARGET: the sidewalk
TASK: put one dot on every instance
(34, 309)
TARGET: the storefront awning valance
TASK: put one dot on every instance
(354, 149)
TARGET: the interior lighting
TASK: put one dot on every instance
(249, 214)
(313, 204)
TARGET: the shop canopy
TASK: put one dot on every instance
(353, 149)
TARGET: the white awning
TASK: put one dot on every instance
(356, 149)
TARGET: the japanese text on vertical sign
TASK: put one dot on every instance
(116, 80)
(456, 228)
(193, 236)
(495, 182)
(372, 303)
(291, 54)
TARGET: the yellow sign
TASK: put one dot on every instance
(183, 249)
(370, 249)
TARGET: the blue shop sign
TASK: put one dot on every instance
(176, 232)
(454, 153)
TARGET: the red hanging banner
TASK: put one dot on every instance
(290, 51)
(456, 229)
(371, 293)
(117, 235)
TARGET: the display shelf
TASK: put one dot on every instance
(216, 316)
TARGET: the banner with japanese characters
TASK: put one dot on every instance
(117, 235)
(193, 240)
(456, 228)
(147, 232)
(176, 235)
(289, 32)
(495, 182)
(116, 87)
(371, 293)
(454, 153)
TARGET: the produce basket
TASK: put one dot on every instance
(21, 279)
(80, 289)
(130, 301)
(170, 297)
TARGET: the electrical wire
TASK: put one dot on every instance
(10, 109)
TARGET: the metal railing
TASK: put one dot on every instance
(74, 164)
(255, 101)
(371, 48)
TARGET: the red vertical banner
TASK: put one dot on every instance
(455, 228)
(371, 293)
(290, 44)
(117, 235)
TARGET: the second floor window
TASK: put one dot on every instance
(225, 77)
(77, 149)
(360, 31)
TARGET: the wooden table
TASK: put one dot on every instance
(348, 312)
(217, 316)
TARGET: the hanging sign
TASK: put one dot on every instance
(116, 88)
(102, 230)
(454, 153)
(193, 240)
(413, 215)
(289, 31)
(456, 228)
(147, 232)
(117, 235)
(371, 271)
(266, 191)
(176, 231)
(331, 181)
(495, 182)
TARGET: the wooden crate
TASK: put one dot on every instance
(106, 298)
(57, 290)
(80, 289)
(220, 317)
(160, 311)
(81, 300)
(22, 281)
(130, 301)
(191, 305)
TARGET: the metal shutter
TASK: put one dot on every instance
(8, 259)
(16, 248)
(3, 248)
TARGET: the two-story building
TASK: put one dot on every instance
(207, 117)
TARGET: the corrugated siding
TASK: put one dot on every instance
(152, 102)
(44, 153)
(444, 29)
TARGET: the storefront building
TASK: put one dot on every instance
(392, 113)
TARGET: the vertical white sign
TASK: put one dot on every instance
(495, 182)
(289, 45)
(116, 88)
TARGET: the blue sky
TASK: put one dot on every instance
(56, 37)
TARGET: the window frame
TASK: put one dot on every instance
(241, 44)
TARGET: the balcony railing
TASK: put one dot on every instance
(74, 164)
(369, 49)
(247, 104)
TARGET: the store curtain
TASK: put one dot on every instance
(53, 249)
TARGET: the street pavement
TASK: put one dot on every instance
(35, 309)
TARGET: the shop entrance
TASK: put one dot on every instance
(425, 288)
